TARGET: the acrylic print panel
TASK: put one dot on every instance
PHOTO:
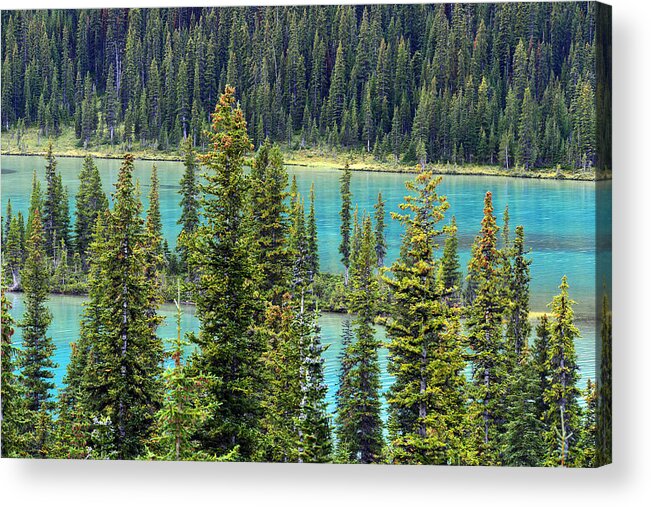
(333, 234)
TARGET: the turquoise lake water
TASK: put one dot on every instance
(67, 311)
(558, 217)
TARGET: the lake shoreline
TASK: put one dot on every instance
(310, 161)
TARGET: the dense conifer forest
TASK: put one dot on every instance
(253, 388)
(475, 380)
(509, 83)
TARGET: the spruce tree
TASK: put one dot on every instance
(380, 239)
(183, 408)
(365, 440)
(13, 410)
(270, 222)
(282, 399)
(36, 363)
(518, 327)
(345, 215)
(312, 239)
(120, 354)
(90, 203)
(55, 225)
(484, 328)
(189, 191)
(563, 416)
(221, 256)
(426, 401)
(450, 269)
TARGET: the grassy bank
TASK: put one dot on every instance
(66, 145)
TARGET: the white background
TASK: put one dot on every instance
(627, 482)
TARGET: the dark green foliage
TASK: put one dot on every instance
(522, 441)
(345, 216)
(484, 325)
(359, 422)
(13, 409)
(56, 221)
(312, 240)
(183, 408)
(460, 85)
(116, 374)
(426, 401)
(189, 199)
(90, 203)
(220, 254)
(450, 269)
(518, 328)
(380, 239)
(270, 223)
(563, 415)
(36, 360)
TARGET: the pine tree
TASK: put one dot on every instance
(221, 256)
(90, 203)
(12, 400)
(55, 224)
(518, 327)
(450, 269)
(119, 350)
(380, 239)
(36, 361)
(269, 216)
(345, 215)
(426, 401)
(189, 191)
(484, 325)
(361, 421)
(183, 409)
(312, 239)
(563, 416)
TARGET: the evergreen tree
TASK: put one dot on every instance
(426, 401)
(281, 403)
(380, 239)
(312, 239)
(360, 424)
(183, 409)
(189, 191)
(563, 416)
(90, 203)
(220, 255)
(484, 325)
(518, 327)
(450, 269)
(36, 361)
(12, 400)
(269, 215)
(523, 444)
(121, 355)
(55, 206)
(345, 215)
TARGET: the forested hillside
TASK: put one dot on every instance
(510, 84)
